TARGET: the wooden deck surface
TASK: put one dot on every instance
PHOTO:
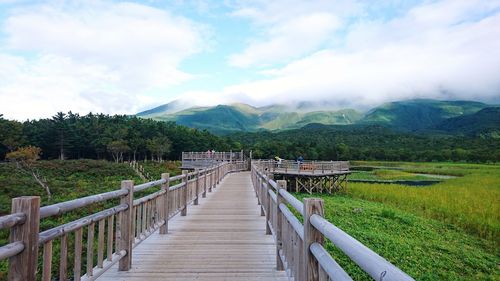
(223, 238)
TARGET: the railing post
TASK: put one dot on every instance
(204, 195)
(279, 225)
(23, 265)
(125, 227)
(210, 177)
(270, 176)
(166, 206)
(218, 173)
(184, 192)
(197, 187)
(311, 235)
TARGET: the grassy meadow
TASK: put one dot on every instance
(470, 201)
(446, 231)
(426, 249)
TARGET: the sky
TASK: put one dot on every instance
(120, 57)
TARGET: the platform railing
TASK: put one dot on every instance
(119, 229)
(300, 246)
(305, 167)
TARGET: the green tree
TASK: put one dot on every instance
(117, 148)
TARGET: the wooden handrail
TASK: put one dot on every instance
(123, 226)
(311, 262)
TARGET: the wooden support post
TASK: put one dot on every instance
(311, 235)
(125, 227)
(279, 225)
(267, 202)
(218, 174)
(210, 179)
(184, 193)
(166, 207)
(23, 265)
(204, 195)
(197, 187)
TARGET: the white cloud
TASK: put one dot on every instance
(91, 55)
(446, 49)
(291, 29)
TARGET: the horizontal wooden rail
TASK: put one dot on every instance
(373, 264)
(11, 249)
(111, 234)
(299, 246)
(11, 220)
(328, 264)
(64, 207)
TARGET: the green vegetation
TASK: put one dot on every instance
(469, 201)
(68, 179)
(422, 115)
(223, 119)
(99, 136)
(370, 142)
(484, 121)
(384, 174)
(426, 249)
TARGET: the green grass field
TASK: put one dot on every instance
(470, 201)
(426, 249)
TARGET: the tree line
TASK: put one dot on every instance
(99, 136)
(122, 137)
(368, 142)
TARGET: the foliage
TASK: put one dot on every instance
(370, 142)
(223, 119)
(99, 136)
(69, 179)
(117, 148)
(26, 155)
(424, 248)
(469, 201)
(25, 158)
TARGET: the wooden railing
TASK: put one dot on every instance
(119, 229)
(299, 246)
(227, 156)
(302, 167)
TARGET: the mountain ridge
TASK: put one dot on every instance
(412, 115)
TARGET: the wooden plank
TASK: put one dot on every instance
(77, 268)
(47, 261)
(222, 239)
(100, 243)
(90, 249)
(63, 259)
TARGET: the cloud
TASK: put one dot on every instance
(92, 56)
(291, 29)
(445, 49)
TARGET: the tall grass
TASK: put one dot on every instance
(471, 201)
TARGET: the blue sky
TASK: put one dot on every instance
(127, 56)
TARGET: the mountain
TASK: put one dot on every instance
(243, 117)
(419, 114)
(484, 122)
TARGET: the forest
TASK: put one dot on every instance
(99, 136)
(125, 138)
(369, 142)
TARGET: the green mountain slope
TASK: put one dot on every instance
(419, 114)
(483, 122)
(242, 117)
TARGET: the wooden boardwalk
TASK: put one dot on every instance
(223, 238)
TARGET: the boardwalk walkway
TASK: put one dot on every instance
(223, 238)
